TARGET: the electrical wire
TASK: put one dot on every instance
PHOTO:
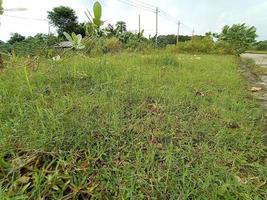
(186, 26)
(151, 8)
(147, 4)
(15, 9)
(168, 17)
(137, 5)
(25, 18)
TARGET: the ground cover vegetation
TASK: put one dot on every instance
(112, 127)
(103, 121)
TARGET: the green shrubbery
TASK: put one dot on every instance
(36, 45)
(239, 36)
(113, 45)
(204, 45)
(260, 46)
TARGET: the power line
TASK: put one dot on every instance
(188, 27)
(159, 12)
(150, 5)
(14, 9)
(25, 18)
(167, 16)
(151, 8)
(140, 3)
(136, 5)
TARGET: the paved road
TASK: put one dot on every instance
(260, 59)
(259, 83)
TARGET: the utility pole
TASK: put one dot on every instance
(157, 21)
(178, 32)
(193, 33)
(139, 23)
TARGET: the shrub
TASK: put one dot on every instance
(98, 46)
(89, 43)
(140, 46)
(204, 45)
(164, 40)
(224, 48)
(196, 45)
(94, 45)
(261, 46)
(32, 46)
(113, 45)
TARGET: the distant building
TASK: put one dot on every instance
(65, 44)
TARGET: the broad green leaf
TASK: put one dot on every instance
(69, 38)
(79, 38)
(97, 10)
(74, 37)
(97, 22)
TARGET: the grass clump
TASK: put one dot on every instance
(130, 126)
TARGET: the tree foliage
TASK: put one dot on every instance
(65, 20)
(121, 27)
(240, 36)
(164, 40)
(261, 46)
(33, 45)
(16, 37)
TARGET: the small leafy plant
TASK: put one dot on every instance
(76, 40)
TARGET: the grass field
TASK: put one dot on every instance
(130, 126)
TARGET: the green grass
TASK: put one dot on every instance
(130, 126)
(256, 52)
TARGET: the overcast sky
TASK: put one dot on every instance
(203, 16)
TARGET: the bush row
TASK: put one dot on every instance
(205, 45)
(44, 46)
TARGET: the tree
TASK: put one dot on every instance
(64, 19)
(121, 27)
(240, 36)
(111, 32)
(16, 37)
(261, 46)
(213, 35)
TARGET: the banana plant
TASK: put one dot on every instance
(240, 36)
(97, 14)
(75, 40)
(95, 21)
